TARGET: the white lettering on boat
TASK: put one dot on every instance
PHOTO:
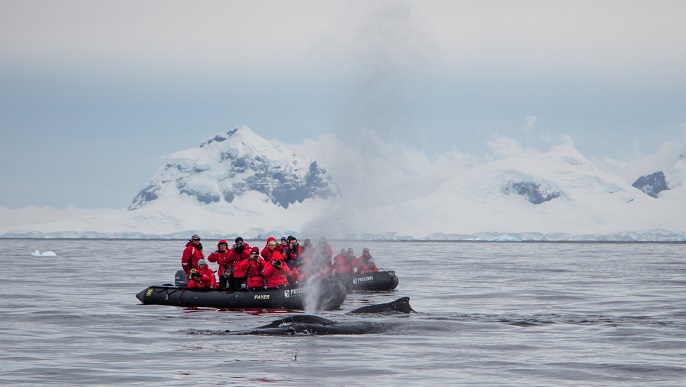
(261, 296)
(363, 279)
(292, 292)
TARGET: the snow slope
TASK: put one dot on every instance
(238, 183)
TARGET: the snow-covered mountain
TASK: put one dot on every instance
(233, 165)
(553, 193)
(238, 183)
(235, 182)
(671, 177)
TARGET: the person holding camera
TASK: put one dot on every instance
(221, 257)
(202, 277)
(292, 252)
(240, 251)
(276, 272)
(270, 248)
(253, 267)
(192, 254)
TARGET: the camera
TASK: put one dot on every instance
(194, 275)
(277, 263)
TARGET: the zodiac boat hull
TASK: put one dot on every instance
(330, 296)
(379, 281)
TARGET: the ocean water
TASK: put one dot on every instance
(488, 314)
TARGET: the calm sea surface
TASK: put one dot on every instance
(489, 314)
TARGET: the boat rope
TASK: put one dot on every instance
(167, 291)
(181, 295)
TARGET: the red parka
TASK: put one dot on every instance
(324, 249)
(292, 255)
(207, 279)
(276, 276)
(253, 270)
(341, 266)
(234, 260)
(191, 256)
(365, 265)
(266, 254)
(218, 256)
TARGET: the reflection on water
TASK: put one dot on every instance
(488, 313)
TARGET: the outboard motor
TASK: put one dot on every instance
(180, 279)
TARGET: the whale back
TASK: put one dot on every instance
(298, 319)
(401, 305)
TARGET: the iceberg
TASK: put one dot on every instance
(37, 253)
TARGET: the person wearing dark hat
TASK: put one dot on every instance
(240, 251)
(220, 256)
(253, 267)
(292, 252)
(192, 254)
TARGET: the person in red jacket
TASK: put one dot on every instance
(300, 274)
(306, 261)
(202, 277)
(220, 256)
(341, 265)
(276, 272)
(365, 263)
(253, 267)
(313, 264)
(324, 249)
(192, 254)
(269, 249)
(240, 251)
(322, 256)
(307, 250)
(292, 253)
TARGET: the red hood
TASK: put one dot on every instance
(269, 240)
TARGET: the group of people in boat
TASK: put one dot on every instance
(276, 265)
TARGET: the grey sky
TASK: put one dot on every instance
(93, 94)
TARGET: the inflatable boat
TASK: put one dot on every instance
(328, 295)
(378, 281)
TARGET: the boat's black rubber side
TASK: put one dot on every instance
(331, 297)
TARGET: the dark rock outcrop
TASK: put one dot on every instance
(652, 184)
(533, 192)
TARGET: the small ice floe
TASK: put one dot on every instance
(44, 254)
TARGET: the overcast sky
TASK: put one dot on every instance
(93, 94)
